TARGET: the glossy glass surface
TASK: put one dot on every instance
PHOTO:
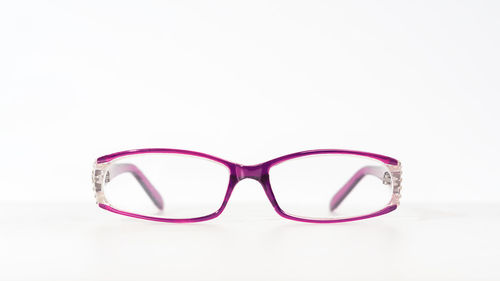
(172, 185)
(306, 186)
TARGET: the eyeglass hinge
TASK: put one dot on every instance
(396, 178)
(98, 177)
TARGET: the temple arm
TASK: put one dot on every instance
(377, 171)
(121, 168)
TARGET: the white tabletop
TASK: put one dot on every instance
(249, 242)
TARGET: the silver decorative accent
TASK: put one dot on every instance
(396, 178)
(98, 180)
(387, 179)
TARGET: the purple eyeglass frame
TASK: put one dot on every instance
(239, 172)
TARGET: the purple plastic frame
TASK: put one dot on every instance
(239, 172)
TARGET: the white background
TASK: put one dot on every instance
(249, 81)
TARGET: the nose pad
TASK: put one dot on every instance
(256, 172)
(249, 198)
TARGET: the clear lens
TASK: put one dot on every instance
(166, 185)
(319, 186)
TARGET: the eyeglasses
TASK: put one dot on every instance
(320, 186)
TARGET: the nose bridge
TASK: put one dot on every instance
(253, 172)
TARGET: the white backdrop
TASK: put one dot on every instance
(249, 81)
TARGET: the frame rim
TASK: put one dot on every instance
(237, 172)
